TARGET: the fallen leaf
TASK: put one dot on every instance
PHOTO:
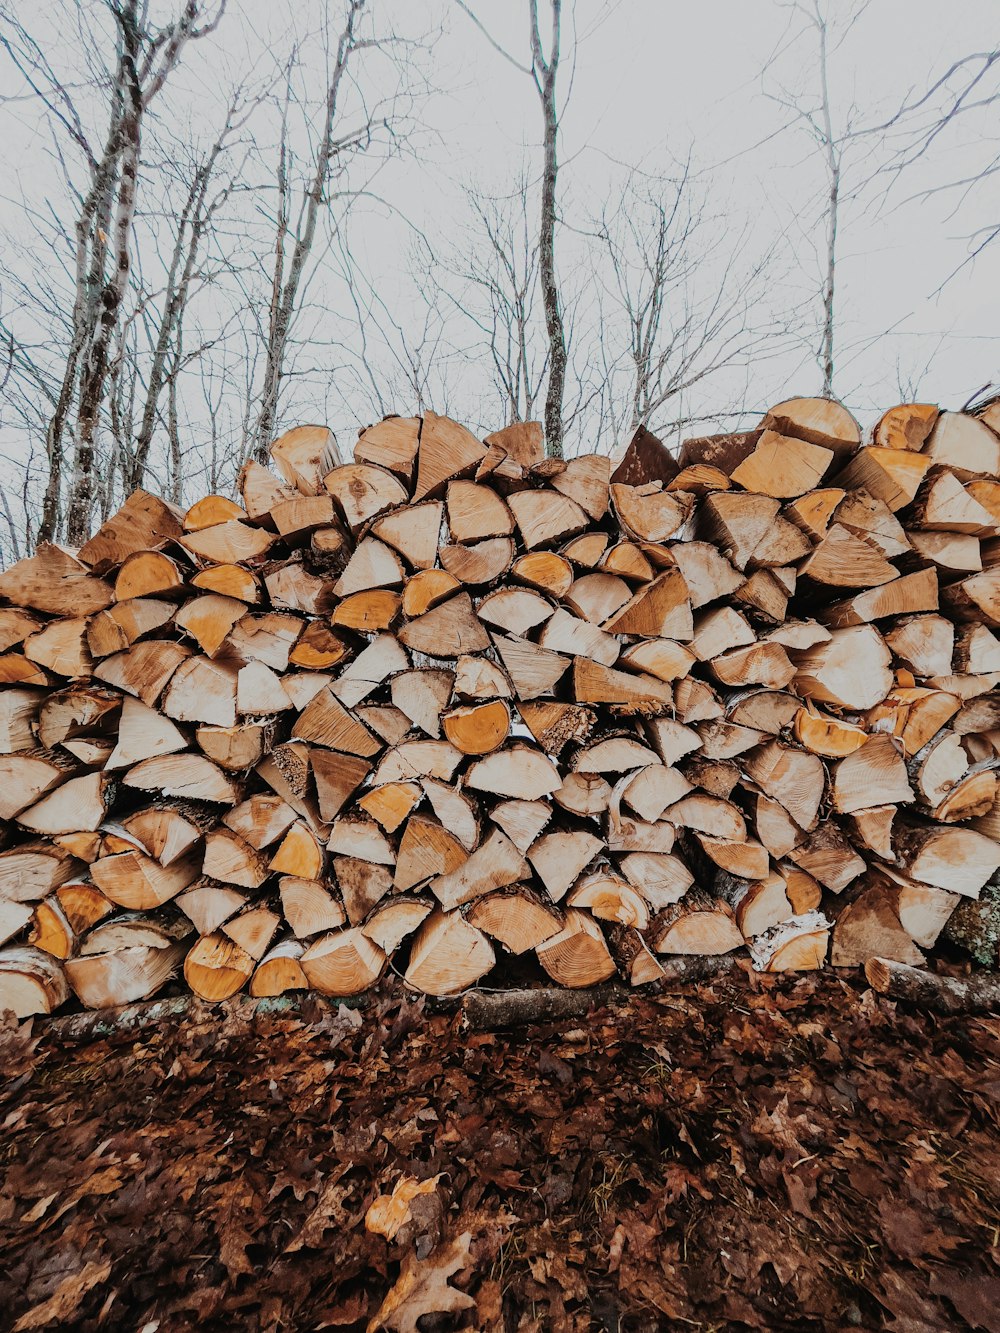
(389, 1212)
(67, 1297)
(423, 1288)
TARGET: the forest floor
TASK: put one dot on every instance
(770, 1153)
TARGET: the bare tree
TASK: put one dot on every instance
(543, 70)
(191, 222)
(670, 316)
(145, 55)
(497, 267)
(831, 136)
(301, 207)
(965, 96)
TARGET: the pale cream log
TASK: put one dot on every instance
(126, 960)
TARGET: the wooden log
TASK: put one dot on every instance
(116, 628)
(757, 904)
(544, 517)
(783, 467)
(392, 921)
(124, 960)
(61, 647)
(522, 821)
(446, 451)
(138, 883)
(280, 970)
(361, 492)
(946, 995)
(873, 775)
(448, 630)
(167, 830)
(559, 858)
(851, 670)
(475, 512)
(456, 810)
(797, 945)
(583, 794)
(609, 898)
(493, 865)
(661, 878)
(216, 968)
(519, 771)
(478, 729)
(957, 859)
(821, 421)
(828, 857)
(869, 927)
(516, 611)
(578, 955)
(583, 479)
(965, 444)
(448, 955)
(304, 455)
(30, 871)
(795, 779)
(906, 426)
(515, 917)
(890, 475)
(54, 581)
(426, 851)
(28, 776)
(545, 570)
(363, 885)
(481, 563)
(649, 513)
(76, 806)
(391, 444)
(208, 905)
(697, 924)
(31, 982)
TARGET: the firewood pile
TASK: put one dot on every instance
(462, 711)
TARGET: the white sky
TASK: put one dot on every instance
(655, 76)
(645, 83)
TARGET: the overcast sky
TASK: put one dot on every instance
(655, 77)
(644, 84)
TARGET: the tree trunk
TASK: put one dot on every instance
(544, 73)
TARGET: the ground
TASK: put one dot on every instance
(771, 1153)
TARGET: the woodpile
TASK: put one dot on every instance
(456, 709)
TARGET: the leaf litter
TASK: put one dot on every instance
(779, 1154)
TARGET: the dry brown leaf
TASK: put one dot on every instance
(423, 1288)
(67, 1297)
(392, 1211)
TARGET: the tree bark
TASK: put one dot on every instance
(544, 73)
(832, 220)
(945, 995)
(286, 292)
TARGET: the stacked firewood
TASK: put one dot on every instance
(453, 707)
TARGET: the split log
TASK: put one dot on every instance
(448, 955)
(361, 492)
(31, 982)
(125, 960)
(515, 917)
(578, 955)
(392, 444)
(280, 970)
(216, 968)
(796, 945)
(698, 924)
